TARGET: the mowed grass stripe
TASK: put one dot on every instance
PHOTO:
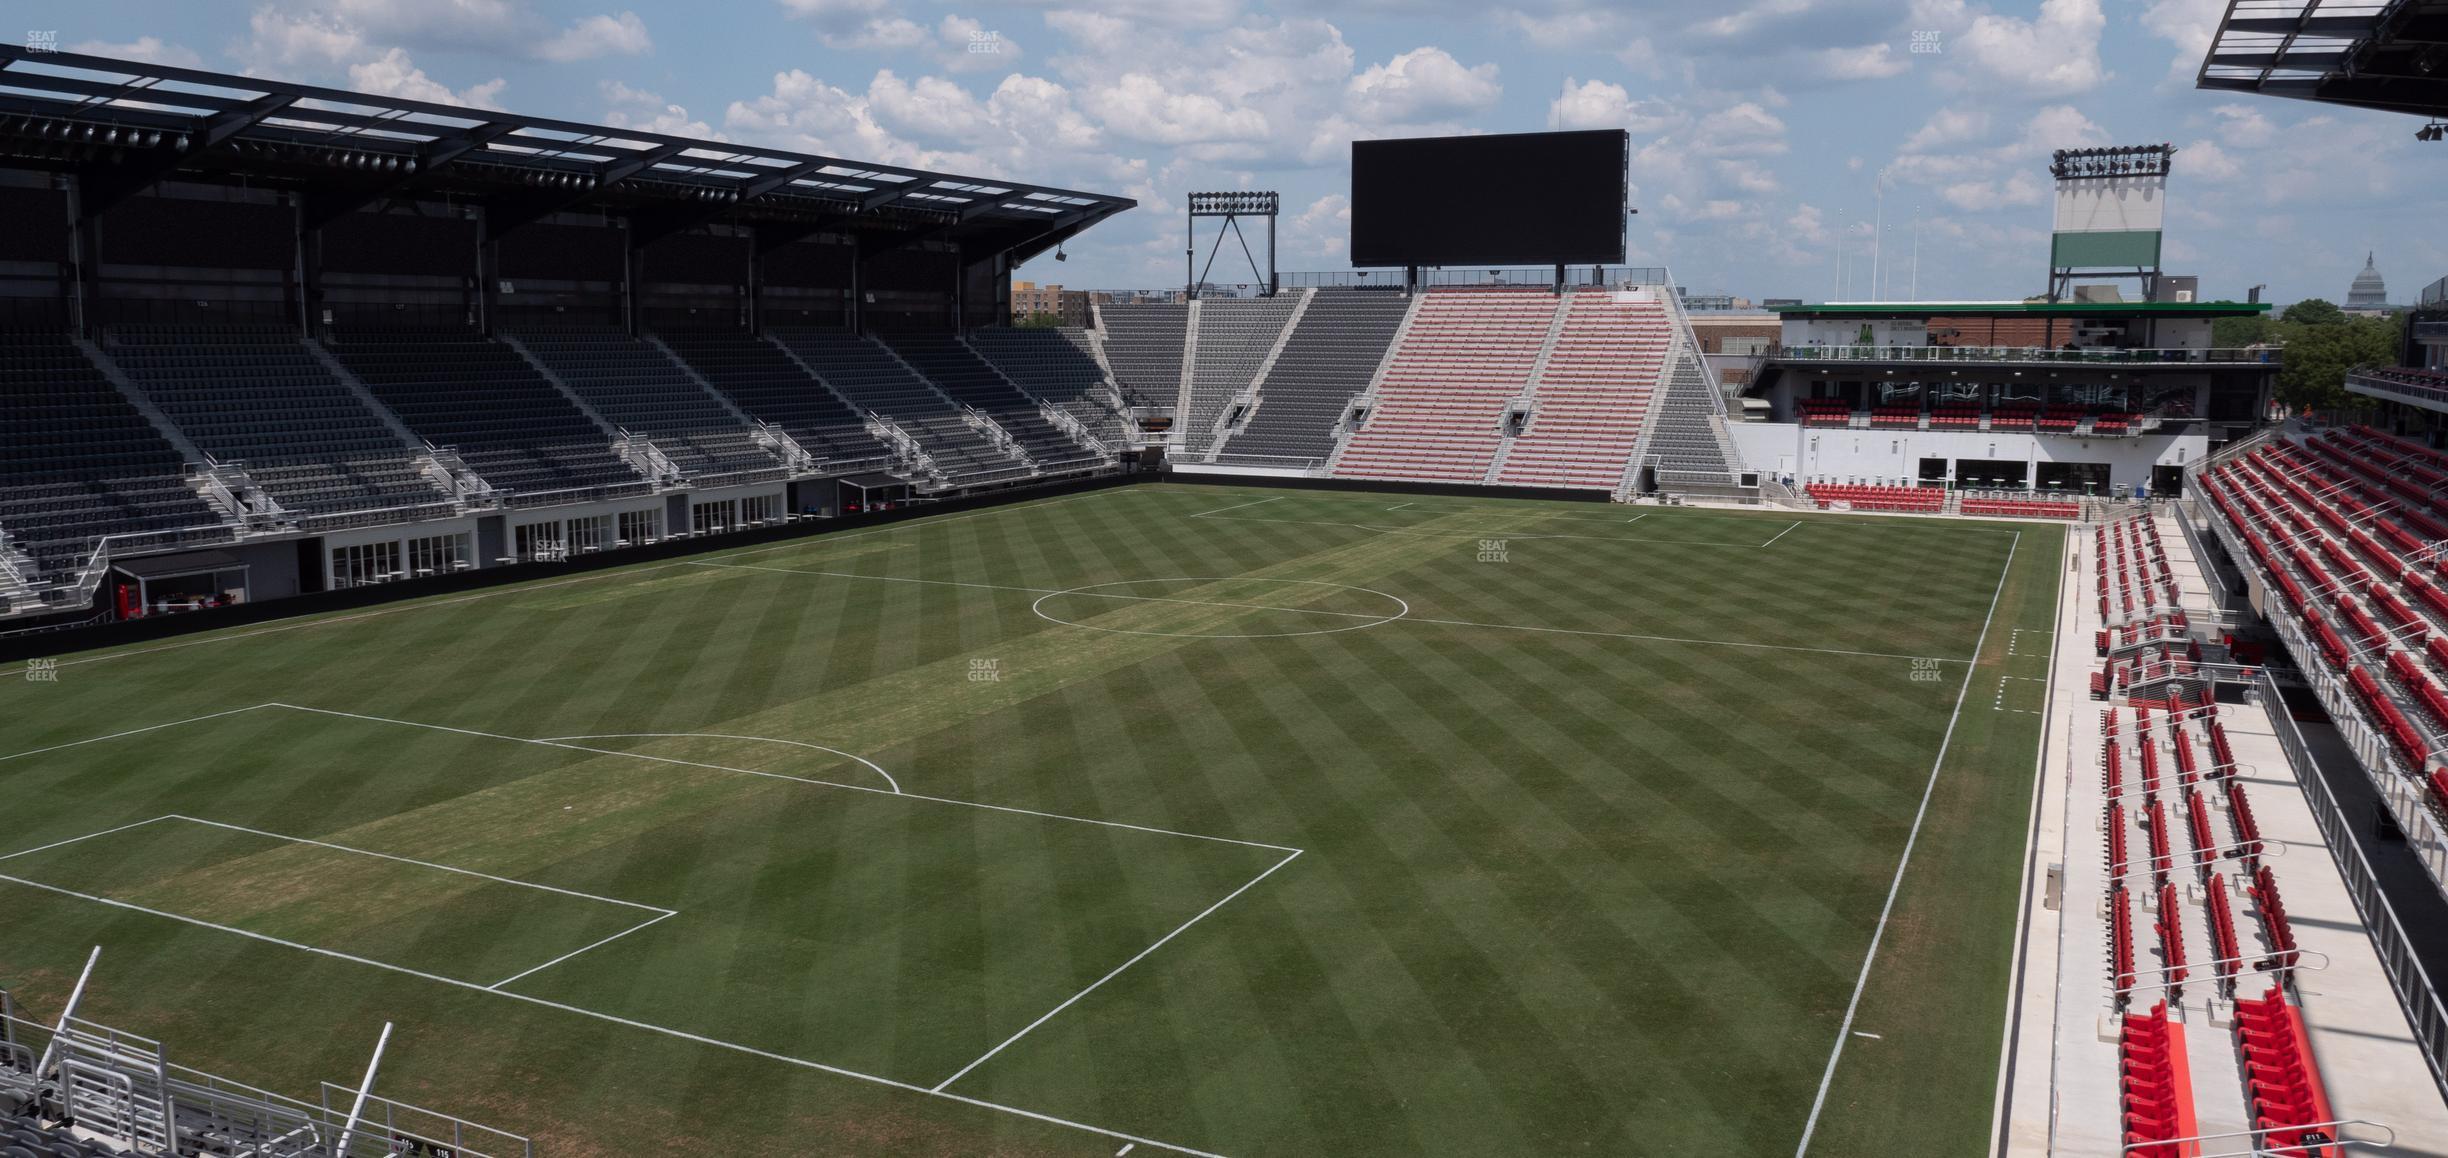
(1573, 903)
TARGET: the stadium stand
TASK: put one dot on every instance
(1439, 408)
(1231, 339)
(1876, 498)
(1687, 437)
(1328, 360)
(639, 389)
(78, 462)
(763, 381)
(2021, 508)
(24, 1136)
(1145, 343)
(959, 372)
(2157, 1084)
(868, 374)
(1826, 412)
(1058, 366)
(1593, 392)
(481, 399)
(255, 395)
(2283, 1082)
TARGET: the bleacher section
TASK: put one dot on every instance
(862, 370)
(636, 387)
(1144, 343)
(255, 395)
(1329, 359)
(763, 382)
(1230, 349)
(958, 371)
(2020, 508)
(1440, 403)
(1594, 392)
(78, 462)
(480, 398)
(1876, 498)
(1058, 366)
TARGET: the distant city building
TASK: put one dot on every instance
(2368, 292)
(1028, 300)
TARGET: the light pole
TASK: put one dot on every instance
(1878, 218)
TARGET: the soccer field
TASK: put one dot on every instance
(1224, 820)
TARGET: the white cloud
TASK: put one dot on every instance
(1140, 107)
(630, 108)
(1861, 62)
(600, 35)
(929, 108)
(148, 49)
(2187, 24)
(1422, 84)
(2244, 127)
(393, 74)
(1948, 126)
(2056, 52)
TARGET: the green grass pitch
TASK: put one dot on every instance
(1231, 820)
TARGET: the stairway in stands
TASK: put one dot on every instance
(1593, 393)
(1439, 409)
(1233, 341)
(1329, 359)
(1060, 367)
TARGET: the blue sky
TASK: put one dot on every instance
(1759, 126)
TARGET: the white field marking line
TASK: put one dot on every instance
(888, 779)
(1126, 1148)
(1117, 971)
(424, 864)
(496, 986)
(614, 1019)
(1871, 1036)
(87, 836)
(132, 732)
(1638, 517)
(640, 568)
(1037, 608)
(1781, 534)
(1236, 506)
(1398, 507)
(1869, 959)
(1474, 534)
(780, 776)
(1043, 592)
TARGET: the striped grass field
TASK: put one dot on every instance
(1224, 820)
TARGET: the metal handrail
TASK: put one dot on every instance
(2266, 1151)
(2098, 354)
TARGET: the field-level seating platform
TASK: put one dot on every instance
(2195, 874)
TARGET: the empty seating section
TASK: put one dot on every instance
(1826, 412)
(1955, 418)
(255, 395)
(1234, 337)
(958, 371)
(1144, 343)
(1896, 418)
(1058, 366)
(24, 1136)
(78, 462)
(2283, 1092)
(637, 387)
(767, 385)
(2345, 524)
(1875, 498)
(1440, 403)
(1331, 357)
(1594, 392)
(480, 398)
(863, 371)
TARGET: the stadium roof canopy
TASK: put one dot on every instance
(2374, 54)
(126, 125)
(2066, 309)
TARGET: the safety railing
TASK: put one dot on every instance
(2107, 355)
(2426, 1017)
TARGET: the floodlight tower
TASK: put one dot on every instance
(2111, 203)
(1232, 207)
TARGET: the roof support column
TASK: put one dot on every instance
(84, 263)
